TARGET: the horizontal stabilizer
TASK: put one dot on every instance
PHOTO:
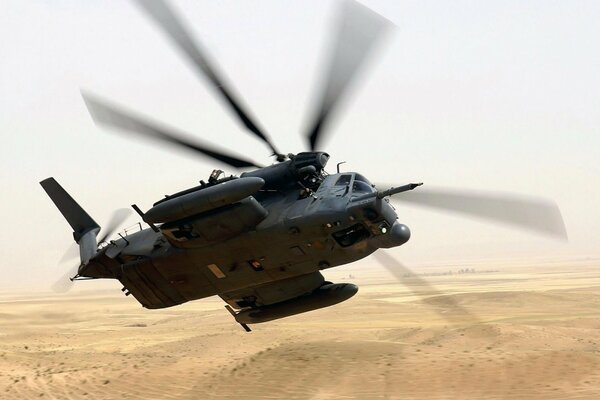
(76, 216)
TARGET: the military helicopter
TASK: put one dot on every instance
(261, 239)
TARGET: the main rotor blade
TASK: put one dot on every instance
(359, 30)
(537, 215)
(114, 117)
(451, 310)
(176, 30)
(118, 217)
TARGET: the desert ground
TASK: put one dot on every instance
(518, 332)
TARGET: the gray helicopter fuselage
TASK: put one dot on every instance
(301, 232)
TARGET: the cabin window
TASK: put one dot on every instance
(352, 235)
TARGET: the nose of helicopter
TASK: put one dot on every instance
(397, 236)
(401, 232)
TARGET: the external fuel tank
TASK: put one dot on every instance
(325, 296)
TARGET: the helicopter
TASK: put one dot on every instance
(261, 239)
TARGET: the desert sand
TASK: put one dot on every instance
(522, 332)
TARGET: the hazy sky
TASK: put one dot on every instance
(500, 95)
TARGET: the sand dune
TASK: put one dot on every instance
(524, 335)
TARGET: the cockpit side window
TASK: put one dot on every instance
(343, 180)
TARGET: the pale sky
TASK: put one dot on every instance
(494, 95)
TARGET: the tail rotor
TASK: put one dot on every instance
(85, 230)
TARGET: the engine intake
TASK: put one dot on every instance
(298, 167)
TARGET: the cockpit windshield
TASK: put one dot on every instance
(359, 177)
(361, 187)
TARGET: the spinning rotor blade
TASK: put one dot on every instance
(118, 217)
(451, 310)
(538, 215)
(175, 29)
(109, 115)
(359, 31)
(64, 283)
(71, 253)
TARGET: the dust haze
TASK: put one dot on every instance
(486, 333)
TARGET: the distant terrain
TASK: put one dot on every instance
(508, 333)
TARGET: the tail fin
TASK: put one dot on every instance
(84, 227)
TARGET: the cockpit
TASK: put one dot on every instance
(351, 184)
(361, 185)
(355, 184)
(349, 204)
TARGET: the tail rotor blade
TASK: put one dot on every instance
(359, 30)
(117, 118)
(71, 253)
(64, 283)
(534, 214)
(176, 30)
(118, 217)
